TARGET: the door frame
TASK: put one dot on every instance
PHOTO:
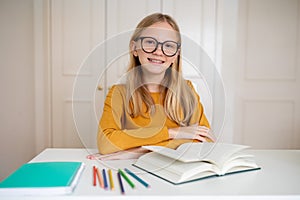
(42, 76)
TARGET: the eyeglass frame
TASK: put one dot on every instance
(159, 43)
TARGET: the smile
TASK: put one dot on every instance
(156, 61)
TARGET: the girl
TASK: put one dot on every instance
(155, 106)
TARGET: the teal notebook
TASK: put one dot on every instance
(38, 178)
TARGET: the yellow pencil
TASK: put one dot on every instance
(111, 181)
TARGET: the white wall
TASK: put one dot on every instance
(17, 143)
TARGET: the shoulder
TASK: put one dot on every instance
(115, 97)
(193, 87)
(118, 87)
(117, 91)
(121, 88)
(190, 84)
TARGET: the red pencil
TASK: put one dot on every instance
(94, 176)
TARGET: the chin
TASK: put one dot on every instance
(155, 69)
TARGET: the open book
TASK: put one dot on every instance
(194, 161)
(43, 178)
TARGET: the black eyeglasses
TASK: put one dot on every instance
(150, 44)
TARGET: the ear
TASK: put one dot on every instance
(133, 48)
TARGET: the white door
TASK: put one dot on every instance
(264, 79)
(76, 27)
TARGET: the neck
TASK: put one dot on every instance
(153, 88)
(153, 81)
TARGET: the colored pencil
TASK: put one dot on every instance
(111, 181)
(94, 176)
(120, 183)
(126, 178)
(104, 179)
(137, 178)
(100, 178)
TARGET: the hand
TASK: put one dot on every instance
(200, 133)
(120, 155)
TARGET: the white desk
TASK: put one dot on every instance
(279, 178)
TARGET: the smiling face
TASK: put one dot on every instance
(156, 62)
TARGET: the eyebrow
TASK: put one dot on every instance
(141, 36)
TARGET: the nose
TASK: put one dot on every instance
(158, 50)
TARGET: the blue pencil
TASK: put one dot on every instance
(104, 179)
(137, 178)
(120, 183)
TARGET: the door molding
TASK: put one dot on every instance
(42, 76)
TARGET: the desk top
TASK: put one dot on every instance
(278, 178)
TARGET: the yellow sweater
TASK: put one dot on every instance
(119, 131)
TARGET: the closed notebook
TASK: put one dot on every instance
(39, 178)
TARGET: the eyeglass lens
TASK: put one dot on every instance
(149, 45)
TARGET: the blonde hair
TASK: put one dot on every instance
(179, 101)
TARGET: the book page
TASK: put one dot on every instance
(220, 153)
(174, 170)
(216, 153)
(239, 163)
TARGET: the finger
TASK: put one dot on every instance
(208, 135)
(203, 128)
(200, 138)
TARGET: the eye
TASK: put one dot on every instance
(149, 41)
(170, 45)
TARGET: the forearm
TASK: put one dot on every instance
(113, 140)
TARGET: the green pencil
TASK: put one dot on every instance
(126, 178)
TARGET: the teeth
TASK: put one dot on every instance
(156, 61)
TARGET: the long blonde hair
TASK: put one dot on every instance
(179, 99)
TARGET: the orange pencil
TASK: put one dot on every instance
(100, 178)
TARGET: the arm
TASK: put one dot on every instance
(113, 137)
(128, 154)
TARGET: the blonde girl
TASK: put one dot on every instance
(155, 106)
